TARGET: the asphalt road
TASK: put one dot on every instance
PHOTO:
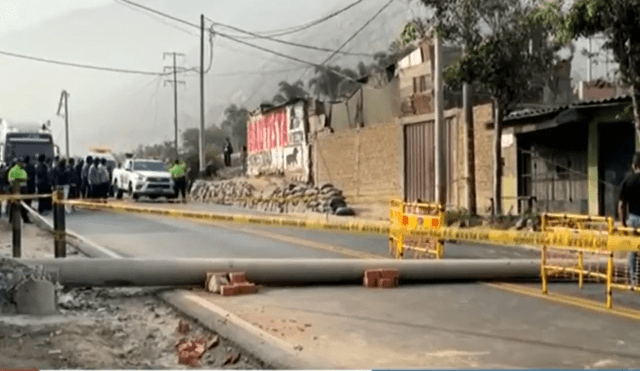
(138, 235)
(440, 325)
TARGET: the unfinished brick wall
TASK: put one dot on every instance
(484, 156)
(363, 162)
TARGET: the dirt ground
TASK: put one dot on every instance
(125, 329)
(104, 328)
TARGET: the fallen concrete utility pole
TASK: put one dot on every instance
(188, 272)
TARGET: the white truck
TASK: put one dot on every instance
(141, 177)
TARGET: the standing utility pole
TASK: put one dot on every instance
(589, 62)
(202, 112)
(64, 98)
(467, 108)
(440, 137)
(175, 83)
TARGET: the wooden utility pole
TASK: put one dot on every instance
(175, 83)
(440, 135)
(64, 99)
(202, 109)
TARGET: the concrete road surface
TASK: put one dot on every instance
(434, 326)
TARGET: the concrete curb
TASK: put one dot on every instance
(83, 245)
(272, 351)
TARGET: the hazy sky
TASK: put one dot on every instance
(20, 14)
(122, 110)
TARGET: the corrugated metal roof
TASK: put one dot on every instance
(532, 112)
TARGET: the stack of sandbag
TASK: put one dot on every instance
(291, 198)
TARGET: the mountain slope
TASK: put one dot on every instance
(120, 111)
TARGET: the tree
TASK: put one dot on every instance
(457, 21)
(235, 122)
(503, 64)
(618, 20)
(289, 92)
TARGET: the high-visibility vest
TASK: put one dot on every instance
(178, 171)
(17, 174)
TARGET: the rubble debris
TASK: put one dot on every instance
(190, 351)
(213, 342)
(290, 198)
(12, 274)
(231, 358)
(183, 327)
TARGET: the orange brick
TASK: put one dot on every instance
(246, 288)
(391, 274)
(228, 290)
(386, 283)
(237, 277)
(371, 278)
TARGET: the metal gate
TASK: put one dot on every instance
(419, 172)
(419, 160)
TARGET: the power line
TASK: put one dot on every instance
(357, 32)
(161, 21)
(79, 65)
(304, 46)
(290, 30)
(237, 29)
(302, 61)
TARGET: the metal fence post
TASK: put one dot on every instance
(59, 226)
(543, 258)
(16, 224)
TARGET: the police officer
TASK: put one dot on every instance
(43, 185)
(18, 178)
(86, 192)
(31, 178)
(178, 173)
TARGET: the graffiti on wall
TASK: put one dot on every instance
(276, 142)
(267, 132)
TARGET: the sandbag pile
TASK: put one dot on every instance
(292, 198)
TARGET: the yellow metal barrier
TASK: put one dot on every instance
(418, 230)
(409, 218)
(596, 265)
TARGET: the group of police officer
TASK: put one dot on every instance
(89, 180)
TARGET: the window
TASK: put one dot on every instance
(149, 166)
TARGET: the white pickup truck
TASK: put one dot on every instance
(140, 177)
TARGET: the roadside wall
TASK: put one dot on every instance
(277, 142)
(363, 162)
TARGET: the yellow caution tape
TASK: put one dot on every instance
(585, 240)
(362, 227)
(22, 197)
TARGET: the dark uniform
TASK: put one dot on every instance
(629, 210)
(31, 179)
(43, 185)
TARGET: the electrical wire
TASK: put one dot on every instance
(266, 50)
(294, 29)
(79, 65)
(235, 28)
(357, 32)
(161, 21)
(304, 46)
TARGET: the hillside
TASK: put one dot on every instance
(123, 110)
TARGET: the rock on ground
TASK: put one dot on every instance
(111, 329)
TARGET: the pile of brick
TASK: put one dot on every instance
(291, 198)
(12, 274)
